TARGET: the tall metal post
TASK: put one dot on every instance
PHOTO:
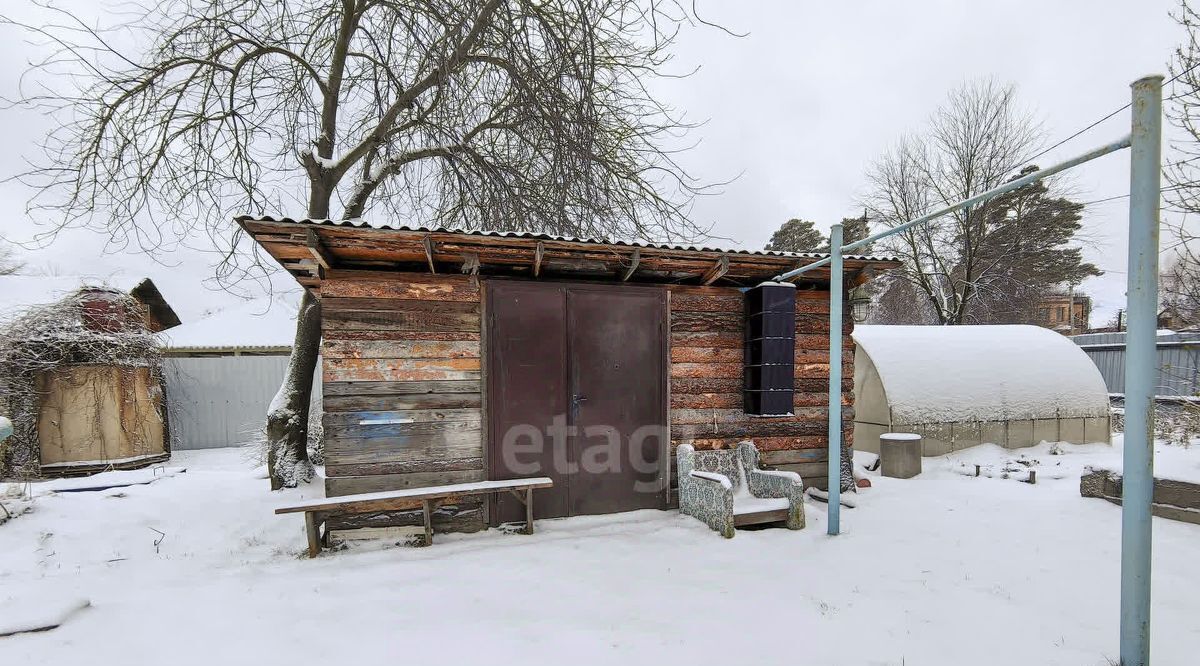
(835, 378)
(1141, 369)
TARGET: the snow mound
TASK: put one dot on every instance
(943, 374)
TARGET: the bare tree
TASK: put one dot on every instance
(1183, 110)
(501, 114)
(979, 261)
(895, 301)
(1180, 281)
(1179, 289)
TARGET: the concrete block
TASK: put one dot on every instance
(900, 455)
(1097, 429)
(1020, 434)
(1045, 430)
(966, 435)
(993, 432)
(1072, 430)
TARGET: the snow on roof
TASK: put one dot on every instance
(941, 374)
(359, 223)
(259, 323)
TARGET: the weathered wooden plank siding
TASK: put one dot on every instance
(402, 368)
(706, 380)
(402, 374)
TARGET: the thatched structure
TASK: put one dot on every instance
(81, 379)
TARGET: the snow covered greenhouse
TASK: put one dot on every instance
(959, 386)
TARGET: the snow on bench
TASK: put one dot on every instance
(317, 512)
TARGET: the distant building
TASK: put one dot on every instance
(1065, 313)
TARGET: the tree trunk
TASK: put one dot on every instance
(287, 418)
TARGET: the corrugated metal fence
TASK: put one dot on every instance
(1178, 361)
(221, 400)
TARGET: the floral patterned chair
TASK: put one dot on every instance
(726, 489)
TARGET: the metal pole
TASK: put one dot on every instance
(835, 378)
(978, 198)
(1137, 485)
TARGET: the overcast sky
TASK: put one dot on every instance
(797, 110)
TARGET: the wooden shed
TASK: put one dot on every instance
(456, 356)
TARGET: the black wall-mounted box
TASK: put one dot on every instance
(770, 348)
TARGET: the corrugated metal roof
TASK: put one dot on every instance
(362, 224)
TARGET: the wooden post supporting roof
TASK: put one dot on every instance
(317, 249)
(537, 258)
(634, 260)
(471, 266)
(427, 243)
(718, 269)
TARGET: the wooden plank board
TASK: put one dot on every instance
(403, 467)
(794, 456)
(333, 304)
(695, 385)
(408, 286)
(723, 300)
(379, 403)
(445, 445)
(811, 341)
(710, 416)
(418, 482)
(400, 349)
(397, 320)
(727, 322)
(376, 500)
(706, 355)
(364, 334)
(708, 370)
(348, 432)
(353, 369)
(384, 388)
(706, 400)
(706, 339)
(735, 400)
(393, 417)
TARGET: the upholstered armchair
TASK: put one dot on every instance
(725, 489)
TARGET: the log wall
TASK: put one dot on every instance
(706, 380)
(406, 346)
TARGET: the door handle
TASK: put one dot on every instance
(578, 399)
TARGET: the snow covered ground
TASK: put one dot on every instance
(940, 569)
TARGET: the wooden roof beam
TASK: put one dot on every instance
(866, 274)
(718, 269)
(634, 260)
(318, 250)
(427, 242)
(471, 267)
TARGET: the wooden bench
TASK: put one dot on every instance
(317, 512)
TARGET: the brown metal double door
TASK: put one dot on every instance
(577, 392)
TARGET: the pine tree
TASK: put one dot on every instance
(797, 235)
(1025, 242)
(855, 229)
